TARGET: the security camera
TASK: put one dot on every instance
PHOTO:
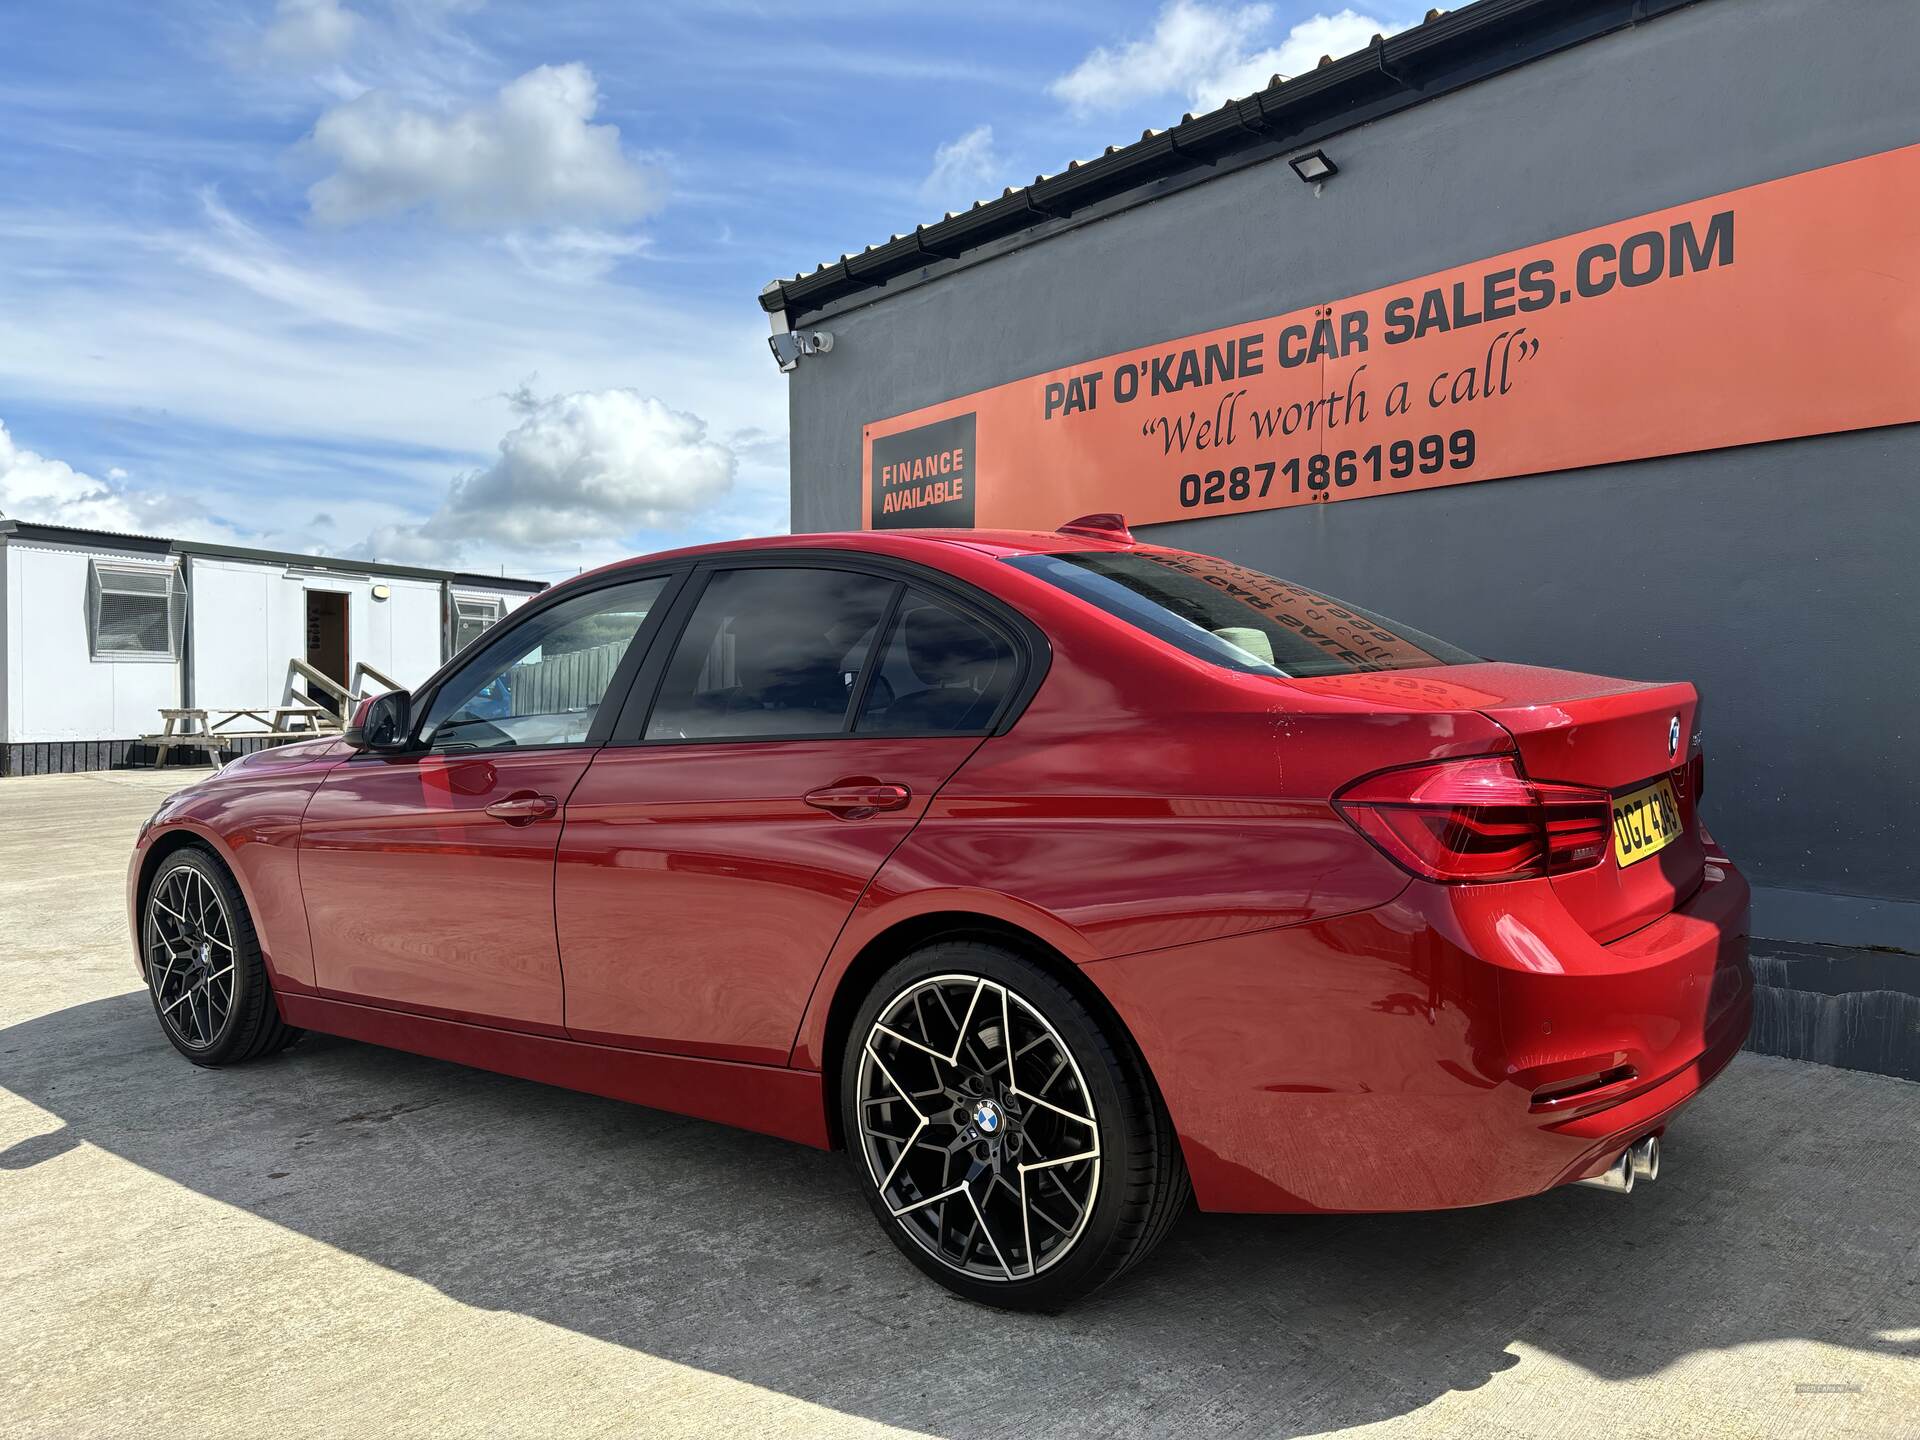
(789, 345)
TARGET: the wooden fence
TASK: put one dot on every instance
(555, 684)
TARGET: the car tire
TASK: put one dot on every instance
(1070, 1165)
(205, 974)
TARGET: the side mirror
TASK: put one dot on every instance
(382, 722)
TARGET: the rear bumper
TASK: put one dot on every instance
(1456, 1047)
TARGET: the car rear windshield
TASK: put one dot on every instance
(1238, 617)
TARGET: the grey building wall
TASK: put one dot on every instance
(1779, 578)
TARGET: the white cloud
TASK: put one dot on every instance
(573, 254)
(582, 470)
(233, 250)
(34, 487)
(120, 319)
(1209, 55)
(252, 408)
(1336, 35)
(309, 31)
(963, 170)
(529, 156)
(329, 51)
(38, 488)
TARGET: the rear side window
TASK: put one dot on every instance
(1239, 618)
(943, 672)
(770, 653)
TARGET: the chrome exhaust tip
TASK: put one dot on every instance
(1639, 1161)
(1617, 1177)
(1644, 1157)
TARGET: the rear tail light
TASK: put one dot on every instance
(1476, 821)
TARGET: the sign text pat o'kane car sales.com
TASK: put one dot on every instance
(1655, 335)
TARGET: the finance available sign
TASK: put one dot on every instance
(923, 476)
(1788, 308)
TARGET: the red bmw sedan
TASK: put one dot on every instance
(1064, 880)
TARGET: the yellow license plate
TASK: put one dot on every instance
(1645, 821)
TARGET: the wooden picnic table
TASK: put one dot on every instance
(192, 726)
(177, 729)
(276, 718)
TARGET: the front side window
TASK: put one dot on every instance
(770, 653)
(942, 672)
(541, 682)
(134, 612)
(1237, 617)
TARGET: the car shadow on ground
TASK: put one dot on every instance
(1777, 1217)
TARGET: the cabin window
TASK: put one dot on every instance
(135, 612)
(472, 618)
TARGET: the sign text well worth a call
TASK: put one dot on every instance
(1787, 308)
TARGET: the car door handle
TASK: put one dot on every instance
(859, 799)
(523, 808)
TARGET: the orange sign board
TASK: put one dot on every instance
(1787, 308)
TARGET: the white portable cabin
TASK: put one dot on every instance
(100, 632)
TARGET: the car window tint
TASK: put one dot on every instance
(770, 652)
(943, 672)
(541, 681)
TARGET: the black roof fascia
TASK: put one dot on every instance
(355, 567)
(159, 545)
(93, 539)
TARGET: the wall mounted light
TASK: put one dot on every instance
(1314, 166)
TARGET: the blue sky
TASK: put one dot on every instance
(473, 283)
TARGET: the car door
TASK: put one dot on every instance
(716, 847)
(428, 875)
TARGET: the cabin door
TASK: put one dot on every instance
(327, 641)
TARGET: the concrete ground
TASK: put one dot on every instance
(349, 1241)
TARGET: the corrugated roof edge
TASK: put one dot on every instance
(1450, 50)
(160, 545)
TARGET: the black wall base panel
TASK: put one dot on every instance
(1856, 1009)
(61, 757)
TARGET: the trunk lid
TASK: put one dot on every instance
(1622, 736)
